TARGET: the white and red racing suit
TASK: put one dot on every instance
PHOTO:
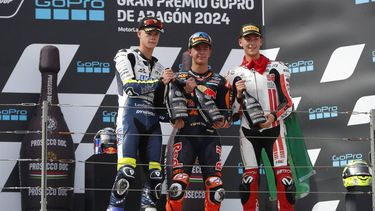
(268, 82)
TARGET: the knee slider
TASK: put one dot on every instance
(156, 179)
(179, 185)
(215, 187)
(245, 187)
(290, 189)
(125, 176)
(249, 183)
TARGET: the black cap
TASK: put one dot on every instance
(151, 24)
(199, 37)
(250, 29)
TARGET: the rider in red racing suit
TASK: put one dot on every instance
(268, 82)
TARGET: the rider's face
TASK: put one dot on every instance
(149, 39)
(200, 53)
(251, 44)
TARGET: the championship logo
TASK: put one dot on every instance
(9, 8)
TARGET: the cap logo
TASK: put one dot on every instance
(250, 28)
(182, 75)
(197, 39)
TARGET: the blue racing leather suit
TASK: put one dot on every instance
(138, 82)
(138, 128)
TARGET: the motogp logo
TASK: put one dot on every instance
(5, 1)
(9, 8)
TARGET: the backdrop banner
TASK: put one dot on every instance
(328, 46)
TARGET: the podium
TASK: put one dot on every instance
(358, 199)
(100, 172)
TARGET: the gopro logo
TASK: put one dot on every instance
(343, 160)
(323, 112)
(13, 115)
(76, 10)
(109, 116)
(93, 67)
(301, 66)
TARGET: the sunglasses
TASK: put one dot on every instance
(200, 37)
(153, 22)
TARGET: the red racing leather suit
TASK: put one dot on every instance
(268, 82)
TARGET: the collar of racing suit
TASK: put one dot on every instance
(150, 62)
(259, 65)
(201, 75)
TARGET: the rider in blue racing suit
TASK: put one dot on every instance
(140, 77)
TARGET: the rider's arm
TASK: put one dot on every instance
(125, 62)
(282, 77)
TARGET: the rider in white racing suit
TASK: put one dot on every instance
(140, 77)
(268, 82)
